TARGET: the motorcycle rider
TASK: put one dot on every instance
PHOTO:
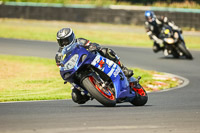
(154, 26)
(66, 37)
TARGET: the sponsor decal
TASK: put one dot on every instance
(116, 72)
(101, 63)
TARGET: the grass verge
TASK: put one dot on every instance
(33, 78)
(121, 35)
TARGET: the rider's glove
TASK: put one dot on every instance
(58, 58)
(159, 41)
(58, 64)
(180, 30)
(94, 47)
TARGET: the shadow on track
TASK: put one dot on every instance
(172, 58)
(117, 106)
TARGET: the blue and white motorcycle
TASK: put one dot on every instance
(97, 77)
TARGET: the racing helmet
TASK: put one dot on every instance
(65, 37)
(149, 16)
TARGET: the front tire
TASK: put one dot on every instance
(105, 97)
(185, 51)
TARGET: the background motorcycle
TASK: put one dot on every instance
(174, 43)
(97, 77)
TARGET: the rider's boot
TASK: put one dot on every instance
(157, 47)
(127, 72)
(77, 97)
(110, 54)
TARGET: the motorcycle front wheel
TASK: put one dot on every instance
(104, 95)
(185, 51)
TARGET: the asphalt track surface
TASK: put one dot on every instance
(174, 111)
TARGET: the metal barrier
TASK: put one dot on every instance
(89, 13)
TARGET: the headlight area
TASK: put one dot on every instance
(71, 63)
(169, 40)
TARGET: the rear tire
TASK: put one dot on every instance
(93, 88)
(141, 97)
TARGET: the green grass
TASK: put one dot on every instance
(33, 78)
(106, 34)
(46, 30)
(30, 78)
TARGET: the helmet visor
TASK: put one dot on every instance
(66, 41)
(149, 19)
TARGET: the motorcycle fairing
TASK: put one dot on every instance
(75, 50)
(120, 82)
(113, 70)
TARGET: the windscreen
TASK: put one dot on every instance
(67, 50)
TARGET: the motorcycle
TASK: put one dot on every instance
(96, 77)
(174, 43)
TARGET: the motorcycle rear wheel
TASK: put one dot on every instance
(105, 97)
(141, 97)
